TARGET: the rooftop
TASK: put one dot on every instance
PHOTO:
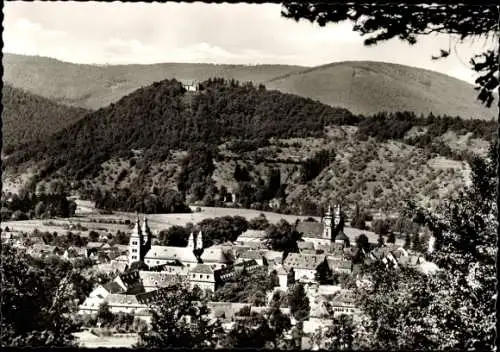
(122, 300)
(310, 228)
(305, 245)
(113, 287)
(215, 254)
(303, 261)
(183, 254)
(253, 234)
(202, 269)
(252, 254)
(153, 278)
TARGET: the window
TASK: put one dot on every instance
(134, 257)
(208, 276)
(134, 250)
(134, 243)
(157, 262)
(201, 276)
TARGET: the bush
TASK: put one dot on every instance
(381, 227)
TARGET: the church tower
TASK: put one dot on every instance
(338, 221)
(191, 242)
(327, 223)
(135, 244)
(146, 238)
(199, 241)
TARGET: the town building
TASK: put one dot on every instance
(202, 276)
(217, 257)
(328, 232)
(303, 265)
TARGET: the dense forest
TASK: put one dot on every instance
(159, 118)
(27, 117)
(163, 118)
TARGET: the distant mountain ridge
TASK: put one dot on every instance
(367, 87)
(363, 87)
(94, 87)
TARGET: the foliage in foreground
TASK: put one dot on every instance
(38, 299)
(179, 320)
(453, 308)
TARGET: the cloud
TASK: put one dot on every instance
(121, 33)
(27, 37)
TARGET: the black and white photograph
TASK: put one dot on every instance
(283, 175)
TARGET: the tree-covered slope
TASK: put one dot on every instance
(27, 117)
(258, 144)
(162, 117)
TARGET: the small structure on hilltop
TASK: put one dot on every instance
(190, 85)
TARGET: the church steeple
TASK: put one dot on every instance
(191, 242)
(338, 215)
(146, 232)
(327, 223)
(135, 244)
(199, 241)
(137, 227)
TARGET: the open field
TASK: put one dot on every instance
(158, 222)
(89, 340)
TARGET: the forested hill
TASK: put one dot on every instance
(259, 143)
(161, 117)
(27, 117)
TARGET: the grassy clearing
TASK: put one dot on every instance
(89, 340)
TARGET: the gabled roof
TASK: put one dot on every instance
(164, 267)
(252, 254)
(76, 252)
(342, 298)
(215, 254)
(303, 261)
(341, 236)
(253, 234)
(202, 269)
(339, 264)
(153, 278)
(40, 247)
(182, 254)
(280, 270)
(154, 296)
(122, 299)
(113, 287)
(252, 245)
(229, 271)
(344, 264)
(122, 248)
(121, 258)
(310, 228)
(305, 245)
(95, 245)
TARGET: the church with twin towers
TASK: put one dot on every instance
(141, 248)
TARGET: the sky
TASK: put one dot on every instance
(142, 33)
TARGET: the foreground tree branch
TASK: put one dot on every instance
(406, 22)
